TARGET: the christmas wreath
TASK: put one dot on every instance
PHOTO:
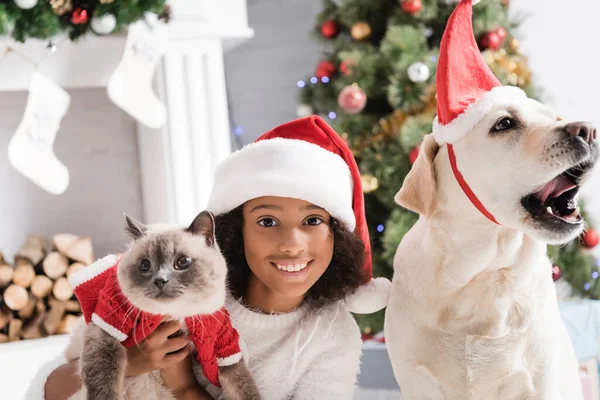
(44, 19)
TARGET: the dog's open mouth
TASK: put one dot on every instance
(556, 199)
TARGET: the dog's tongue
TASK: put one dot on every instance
(555, 188)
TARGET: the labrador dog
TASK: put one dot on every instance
(473, 311)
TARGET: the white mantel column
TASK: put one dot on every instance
(177, 162)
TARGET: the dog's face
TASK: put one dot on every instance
(526, 165)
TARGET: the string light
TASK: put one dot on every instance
(595, 274)
(238, 131)
(380, 228)
(325, 79)
(332, 115)
(598, 263)
(314, 80)
(433, 58)
(587, 286)
(301, 83)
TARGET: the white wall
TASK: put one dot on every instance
(560, 38)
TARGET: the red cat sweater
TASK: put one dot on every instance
(104, 304)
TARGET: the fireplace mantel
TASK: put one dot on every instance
(178, 160)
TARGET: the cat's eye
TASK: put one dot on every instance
(145, 265)
(183, 262)
(504, 124)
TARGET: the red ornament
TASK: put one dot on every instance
(414, 153)
(330, 29)
(590, 238)
(501, 32)
(325, 68)
(366, 336)
(345, 67)
(381, 339)
(79, 16)
(490, 40)
(352, 99)
(411, 6)
(555, 272)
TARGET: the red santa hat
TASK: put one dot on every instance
(303, 159)
(466, 87)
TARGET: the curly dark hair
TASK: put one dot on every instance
(343, 276)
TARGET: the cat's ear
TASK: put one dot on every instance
(134, 228)
(204, 225)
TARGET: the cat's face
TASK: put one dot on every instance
(179, 271)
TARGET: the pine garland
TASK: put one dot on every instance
(49, 18)
(400, 111)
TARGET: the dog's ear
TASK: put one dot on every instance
(418, 192)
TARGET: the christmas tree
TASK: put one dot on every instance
(376, 85)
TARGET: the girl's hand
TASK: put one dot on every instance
(179, 377)
(158, 350)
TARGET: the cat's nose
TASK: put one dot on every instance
(160, 282)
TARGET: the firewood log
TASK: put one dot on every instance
(33, 250)
(24, 273)
(76, 266)
(82, 251)
(67, 324)
(72, 306)
(41, 286)
(5, 315)
(55, 265)
(33, 329)
(14, 329)
(26, 312)
(6, 275)
(16, 297)
(62, 289)
(64, 241)
(54, 317)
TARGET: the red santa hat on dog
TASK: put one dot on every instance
(466, 87)
(466, 90)
(303, 159)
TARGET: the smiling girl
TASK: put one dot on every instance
(290, 221)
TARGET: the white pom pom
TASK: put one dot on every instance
(476, 1)
(369, 298)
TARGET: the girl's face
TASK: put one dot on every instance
(288, 243)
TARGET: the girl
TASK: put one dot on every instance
(290, 222)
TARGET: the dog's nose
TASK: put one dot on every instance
(160, 282)
(585, 130)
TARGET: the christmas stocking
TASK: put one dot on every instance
(30, 150)
(130, 86)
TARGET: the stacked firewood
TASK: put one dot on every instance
(36, 299)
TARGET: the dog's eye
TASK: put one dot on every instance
(504, 124)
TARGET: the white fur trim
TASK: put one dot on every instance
(37, 386)
(106, 327)
(92, 271)
(231, 360)
(369, 298)
(284, 168)
(476, 1)
(465, 122)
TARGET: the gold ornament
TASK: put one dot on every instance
(513, 79)
(369, 183)
(61, 7)
(514, 45)
(345, 135)
(361, 30)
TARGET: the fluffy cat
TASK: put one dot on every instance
(175, 271)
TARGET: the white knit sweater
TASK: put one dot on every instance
(301, 355)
